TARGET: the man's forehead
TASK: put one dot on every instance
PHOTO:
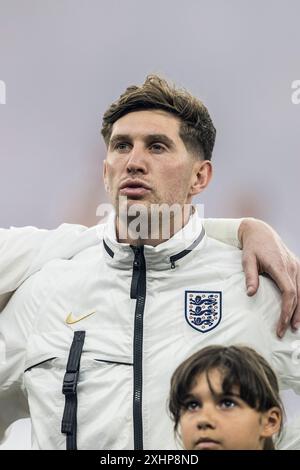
(140, 124)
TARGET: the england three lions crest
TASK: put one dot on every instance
(203, 309)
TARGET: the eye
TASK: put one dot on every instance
(192, 405)
(227, 403)
(122, 147)
(157, 148)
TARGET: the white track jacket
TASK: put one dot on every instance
(88, 343)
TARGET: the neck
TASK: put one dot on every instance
(152, 229)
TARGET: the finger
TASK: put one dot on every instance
(288, 289)
(287, 310)
(251, 273)
(296, 316)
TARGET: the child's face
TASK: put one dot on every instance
(223, 422)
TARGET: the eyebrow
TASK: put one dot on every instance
(148, 139)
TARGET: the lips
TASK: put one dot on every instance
(134, 188)
(134, 184)
(207, 443)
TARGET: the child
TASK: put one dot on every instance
(226, 398)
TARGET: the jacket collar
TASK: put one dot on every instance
(166, 255)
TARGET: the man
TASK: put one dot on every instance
(110, 322)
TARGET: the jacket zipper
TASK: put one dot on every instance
(138, 292)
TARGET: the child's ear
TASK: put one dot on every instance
(271, 422)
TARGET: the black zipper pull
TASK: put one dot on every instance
(135, 271)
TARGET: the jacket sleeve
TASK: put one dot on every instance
(16, 329)
(286, 363)
(224, 230)
(290, 436)
(284, 352)
(24, 250)
(284, 356)
(16, 322)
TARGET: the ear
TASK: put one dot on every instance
(271, 422)
(104, 174)
(201, 176)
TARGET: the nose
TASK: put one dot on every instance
(204, 424)
(205, 420)
(137, 161)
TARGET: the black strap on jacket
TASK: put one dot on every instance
(69, 421)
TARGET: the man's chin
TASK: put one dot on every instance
(134, 206)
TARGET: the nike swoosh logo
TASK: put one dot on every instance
(71, 319)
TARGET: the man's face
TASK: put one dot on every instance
(148, 162)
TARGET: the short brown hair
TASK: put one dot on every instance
(240, 366)
(196, 129)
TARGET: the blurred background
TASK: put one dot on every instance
(64, 61)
